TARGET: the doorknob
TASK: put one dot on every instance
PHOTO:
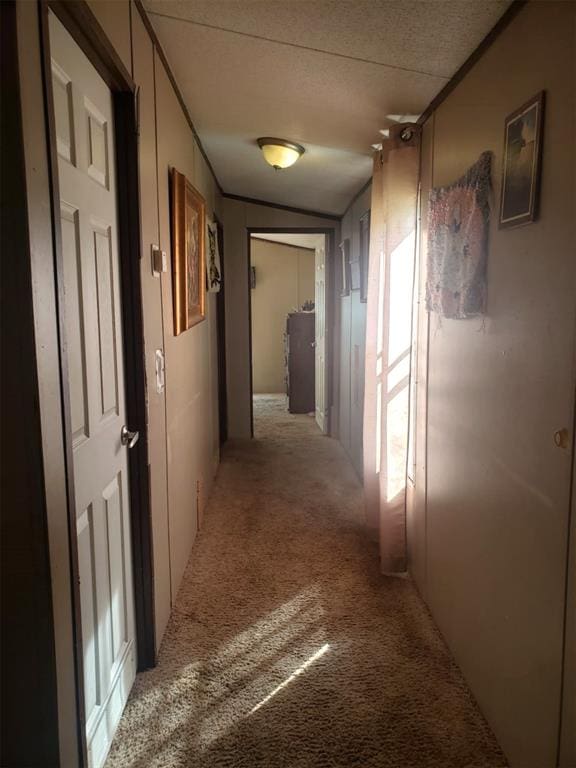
(562, 438)
(128, 438)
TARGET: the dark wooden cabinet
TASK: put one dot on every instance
(300, 358)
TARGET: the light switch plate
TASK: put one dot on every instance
(159, 261)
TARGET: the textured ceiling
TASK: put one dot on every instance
(302, 241)
(323, 73)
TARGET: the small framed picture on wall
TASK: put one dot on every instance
(345, 261)
(521, 167)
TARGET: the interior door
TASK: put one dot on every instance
(320, 337)
(86, 169)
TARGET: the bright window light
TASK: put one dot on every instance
(320, 652)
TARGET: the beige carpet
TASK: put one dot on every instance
(272, 419)
(287, 648)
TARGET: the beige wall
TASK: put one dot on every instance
(192, 435)
(350, 370)
(240, 216)
(284, 281)
(489, 548)
(114, 16)
(153, 328)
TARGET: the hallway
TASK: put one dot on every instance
(286, 647)
(272, 419)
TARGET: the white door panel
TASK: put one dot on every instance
(85, 142)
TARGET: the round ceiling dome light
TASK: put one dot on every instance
(280, 153)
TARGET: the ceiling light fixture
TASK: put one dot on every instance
(280, 153)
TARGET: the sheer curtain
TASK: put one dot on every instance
(393, 220)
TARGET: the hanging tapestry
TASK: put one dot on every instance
(458, 221)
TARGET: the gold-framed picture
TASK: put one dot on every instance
(188, 253)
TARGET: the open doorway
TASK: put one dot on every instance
(288, 300)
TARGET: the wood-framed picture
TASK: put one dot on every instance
(364, 255)
(521, 166)
(188, 253)
(345, 265)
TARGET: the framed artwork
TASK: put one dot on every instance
(521, 166)
(345, 266)
(213, 269)
(355, 275)
(364, 255)
(188, 258)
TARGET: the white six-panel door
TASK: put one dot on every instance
(85, 140)
(320, 337)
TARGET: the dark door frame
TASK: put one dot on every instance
(29, 703)
(82, 25)
(329, 309)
